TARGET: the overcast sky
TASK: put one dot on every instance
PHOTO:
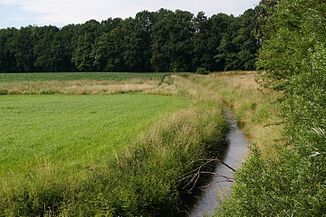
(17, 13)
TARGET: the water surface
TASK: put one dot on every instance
(220, 184)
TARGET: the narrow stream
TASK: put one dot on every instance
(219, 186)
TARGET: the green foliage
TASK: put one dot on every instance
(207, 39)
(291, 185)
(46, 53)
(202, 71)
(295, 59)
(294, 55)
(239, 45)
(152, 41)
(296, 36)
(172, 41)
(22, 48)
(108, 52)
(7, 58)
(86, 35)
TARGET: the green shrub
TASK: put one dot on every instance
(202, 71)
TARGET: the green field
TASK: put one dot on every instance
(89, 150)
(69, 76)
(72, 132)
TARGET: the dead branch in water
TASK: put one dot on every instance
(195, 174)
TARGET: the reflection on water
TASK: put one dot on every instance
(219, 186)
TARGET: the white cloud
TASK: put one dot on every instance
(78, 11)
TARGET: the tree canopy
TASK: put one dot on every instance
(151, 41)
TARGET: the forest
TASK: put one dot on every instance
(161, 41)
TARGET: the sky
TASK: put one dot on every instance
(17, 13)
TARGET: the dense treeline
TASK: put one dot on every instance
(294, 56)
(152, 41)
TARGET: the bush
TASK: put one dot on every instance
(202, 71)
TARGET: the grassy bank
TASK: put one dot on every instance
(256, 109)
(284, 174)
(146, 179)
(70, 155)
(47, 139)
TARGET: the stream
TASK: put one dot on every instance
(219, 187)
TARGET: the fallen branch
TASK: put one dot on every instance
(195, 174)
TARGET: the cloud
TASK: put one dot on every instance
(78, 11)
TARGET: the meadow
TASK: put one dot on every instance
(104, 152)
(99, 152)
(72, 133)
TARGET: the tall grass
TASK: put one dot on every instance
(146, 180)
(77, 87)
(256, 109)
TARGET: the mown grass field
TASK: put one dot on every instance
(72, 133)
